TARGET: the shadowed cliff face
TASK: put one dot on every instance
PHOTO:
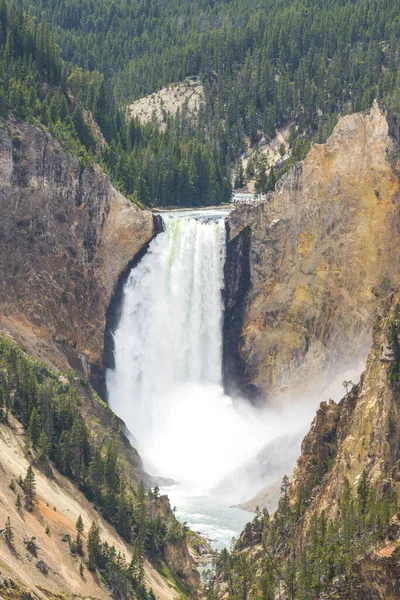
(324, 247)
(237, 283)
(65, 237)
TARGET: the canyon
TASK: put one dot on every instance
(303, 272)
(310, 273)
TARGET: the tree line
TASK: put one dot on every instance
(263, 66)
(153, 168)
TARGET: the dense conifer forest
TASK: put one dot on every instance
(263, 65)
(304, 571)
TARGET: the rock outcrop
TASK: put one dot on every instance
(323, 248)
(349, 442)
(361, 433)
(66, 235)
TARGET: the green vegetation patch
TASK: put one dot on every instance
(50, 410)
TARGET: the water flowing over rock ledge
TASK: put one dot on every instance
(304, 267)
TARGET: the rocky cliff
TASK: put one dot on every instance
(67, 242)
(355, 438)
(66, 236)
(336, 533)
(361, 433)
(322, 249)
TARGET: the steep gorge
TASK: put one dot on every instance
(354, 441)
(320, 251)
(67, 241)
(323, 280)
(307, 270)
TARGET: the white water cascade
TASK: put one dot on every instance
(166, 384)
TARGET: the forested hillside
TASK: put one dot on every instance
(336, 532)
(153, 168)
(65, 428)
(263, 65)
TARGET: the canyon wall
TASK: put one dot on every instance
(359, 435)
(66, 235)
(350, 442)
(68, 239)
(324, 251)
(361, 432)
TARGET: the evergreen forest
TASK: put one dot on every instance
(263, 65)
(328, 552)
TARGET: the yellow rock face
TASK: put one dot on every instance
(324, 249)
(360, 433)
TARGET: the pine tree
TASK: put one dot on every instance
(94, 547)
(3, 393)
(43, 446)
(3, 21)
(123, 517)
(284, 490)
(100, 108)
(79, 525)
(141, 510)
(261, 178)
(111, 467)
(34, 427)
(29, 486)
(363, 490)
(271, 180)
(79, 542)
(96, 475)
(76, 450)
(83, 129)
(8, 532)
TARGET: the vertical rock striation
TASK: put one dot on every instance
(361, 433)
(350, 442)
(237, 284)
(66, 235)
(323, 248)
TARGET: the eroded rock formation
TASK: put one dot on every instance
(66, 235)
(359, 433)
(354, 440)
(323, 248)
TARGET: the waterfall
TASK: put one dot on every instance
(166, 384)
